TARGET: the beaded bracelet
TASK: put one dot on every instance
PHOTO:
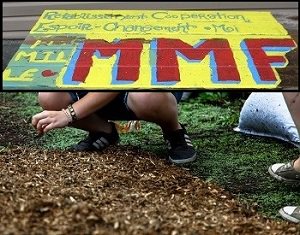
(72, 112)
(68, 115)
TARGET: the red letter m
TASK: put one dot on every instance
(127, 66)
(222, 62)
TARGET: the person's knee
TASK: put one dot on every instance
(53, 100)
(47, 101)
(153, 103)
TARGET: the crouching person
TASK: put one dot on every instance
(90, 111)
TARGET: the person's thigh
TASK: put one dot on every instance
(119, 108)
(144, 104)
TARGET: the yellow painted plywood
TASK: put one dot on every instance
(104, 49)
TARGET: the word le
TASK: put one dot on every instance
(166, 52)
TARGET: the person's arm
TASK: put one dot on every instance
(91, 102)
(48, 120)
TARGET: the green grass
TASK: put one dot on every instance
(236, 162)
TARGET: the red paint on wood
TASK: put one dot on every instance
(127, 65)
(167, 62)
(48, 73)
(262, 61)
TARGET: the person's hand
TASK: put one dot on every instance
(48, 120)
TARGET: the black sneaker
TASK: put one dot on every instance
(180, 146)
(97, 141)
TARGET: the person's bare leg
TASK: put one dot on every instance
(60, 100)
(157, 107)
(161, 108)
(292, 100)
(292, 213)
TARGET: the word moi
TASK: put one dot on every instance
(164, 55)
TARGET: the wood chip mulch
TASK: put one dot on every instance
(120, 191)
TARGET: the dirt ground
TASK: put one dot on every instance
(120, 191)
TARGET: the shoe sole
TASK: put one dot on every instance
(281, 178)
(183, 160)
(288, 217)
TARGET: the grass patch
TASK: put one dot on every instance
(236, 162)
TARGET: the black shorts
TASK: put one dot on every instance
(118, 108)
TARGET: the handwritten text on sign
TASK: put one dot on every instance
(151, 49)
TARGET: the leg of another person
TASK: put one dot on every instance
(292, 100)
(290, 172)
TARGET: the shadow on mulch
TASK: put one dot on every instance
(120, 191)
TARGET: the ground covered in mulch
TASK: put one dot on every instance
(121, 191)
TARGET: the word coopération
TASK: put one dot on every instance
(157, 15)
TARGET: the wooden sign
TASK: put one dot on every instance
(102, 49)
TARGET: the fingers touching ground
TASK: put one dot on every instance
(48, 120)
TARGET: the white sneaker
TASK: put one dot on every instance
(290, 213)
(285, 172)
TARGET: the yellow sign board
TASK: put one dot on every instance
(119, 49)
